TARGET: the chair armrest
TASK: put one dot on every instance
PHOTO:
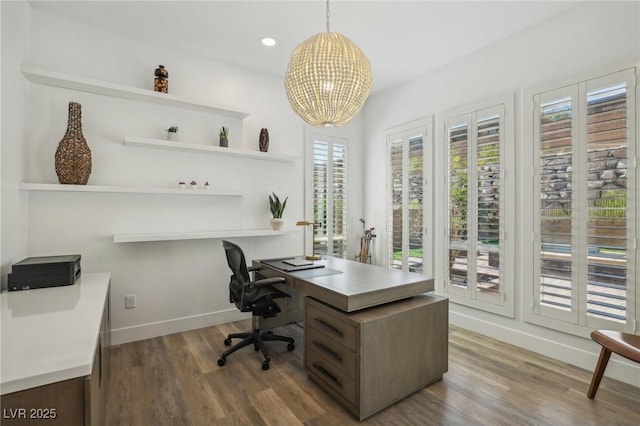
(267, 281)
(253, 268)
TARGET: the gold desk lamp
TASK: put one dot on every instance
(312, 224)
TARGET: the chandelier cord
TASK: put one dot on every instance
(328, 16)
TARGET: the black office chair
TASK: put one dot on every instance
(256, 297)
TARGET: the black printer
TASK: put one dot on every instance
(45, 271)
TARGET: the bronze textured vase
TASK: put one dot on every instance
(73, 156)
(263, 140)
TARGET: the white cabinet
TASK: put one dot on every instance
(56, 353)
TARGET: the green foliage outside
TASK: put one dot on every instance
(488, 224)
(610, 205)
(397, 255)
(458, 192)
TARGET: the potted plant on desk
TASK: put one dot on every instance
(277, 209)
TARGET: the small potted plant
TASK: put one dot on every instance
(172, 133)
(224, 137)
(277, 209)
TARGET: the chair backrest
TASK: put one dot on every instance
(240, 277)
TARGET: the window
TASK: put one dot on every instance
(329, 189)
(479, 256)
(406, 193)
(584, 252)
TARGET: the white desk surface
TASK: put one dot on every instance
(50, 334)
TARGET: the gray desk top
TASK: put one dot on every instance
(359, 285)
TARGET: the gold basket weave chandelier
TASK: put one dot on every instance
(328, 79)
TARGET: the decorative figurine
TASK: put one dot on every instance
(161, 82)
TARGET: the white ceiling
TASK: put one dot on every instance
(402, 39)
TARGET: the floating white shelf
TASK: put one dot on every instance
(181, 146)
(175, 236)
(123, 189)
(66, 81)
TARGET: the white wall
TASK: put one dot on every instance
(183, 284)
(15, 47)
(586, 37)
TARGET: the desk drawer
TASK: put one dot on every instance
(334, 353)
(331, 323)
(331, 376)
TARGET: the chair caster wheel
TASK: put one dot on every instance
(265, 365)
(222, 362)
(227, 342)
(291, 346)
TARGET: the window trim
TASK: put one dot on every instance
(425, 125)
(503, 303)
(311, 137)
(528, 226)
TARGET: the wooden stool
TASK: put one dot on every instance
(624, 344)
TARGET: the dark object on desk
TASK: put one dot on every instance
(256, 297)
(284, 265)
(46, 271)
(316, 272)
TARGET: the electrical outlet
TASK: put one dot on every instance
(130, 301)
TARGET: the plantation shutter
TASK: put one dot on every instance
(586, 214)
(405, 151)
(320, 196)
(396, 218)
(406, 193)
(607, 184)
(458, 201)
(475, 208)
(330, 197)
(339, 187)
(415, 193)
(556, 183)
(488, 196)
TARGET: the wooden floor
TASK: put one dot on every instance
(175, 380)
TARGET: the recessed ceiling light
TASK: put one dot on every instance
(268, 41)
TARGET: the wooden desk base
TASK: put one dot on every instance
(372, 358)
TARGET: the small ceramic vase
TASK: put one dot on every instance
(263, 140)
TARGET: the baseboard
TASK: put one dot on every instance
(618, 368)
(177, 325)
